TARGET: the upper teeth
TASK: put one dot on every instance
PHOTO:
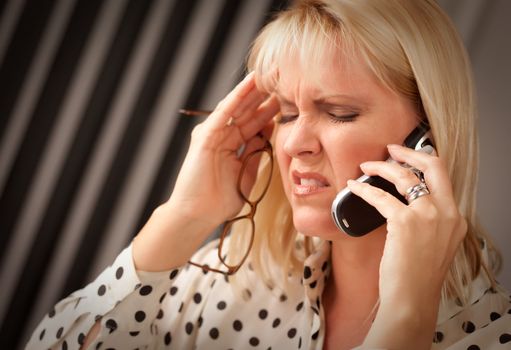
(311, 182)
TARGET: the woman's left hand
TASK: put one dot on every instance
(422, 237)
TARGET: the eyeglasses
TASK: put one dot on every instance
(264, 155)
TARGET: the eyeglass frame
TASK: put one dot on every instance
(232, 269)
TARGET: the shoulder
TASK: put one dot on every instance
(484, 323)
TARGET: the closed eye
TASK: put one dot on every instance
(283, 119)
(346, 118)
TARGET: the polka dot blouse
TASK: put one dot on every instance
(187, 308)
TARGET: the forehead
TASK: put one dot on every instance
(329, 72)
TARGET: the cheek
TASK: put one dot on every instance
(348, 152)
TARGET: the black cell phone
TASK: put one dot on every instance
(355, 216)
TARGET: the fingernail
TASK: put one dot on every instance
(351, 182)
(393, 146)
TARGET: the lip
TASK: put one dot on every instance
(307, 190)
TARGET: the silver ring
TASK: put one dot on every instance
(416, 191)
(415, 171)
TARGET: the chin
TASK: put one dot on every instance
(315, 223)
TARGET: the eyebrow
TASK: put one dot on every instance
(324, 100)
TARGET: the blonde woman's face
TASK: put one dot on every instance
(334, 117)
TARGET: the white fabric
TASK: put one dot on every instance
(188, 309)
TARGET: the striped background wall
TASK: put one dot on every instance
(89, 133)
(90, 137)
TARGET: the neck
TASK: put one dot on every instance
(355, 271)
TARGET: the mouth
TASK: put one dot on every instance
(307, 183)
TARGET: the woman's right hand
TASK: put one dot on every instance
(205, 193)
(205, 188)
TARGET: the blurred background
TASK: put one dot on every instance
(90, 137)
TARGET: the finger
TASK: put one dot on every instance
(249, 104)
(226, 108)
(384, 202)
(260, 119)
(403, 178)
(434, 171)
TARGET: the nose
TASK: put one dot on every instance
(302, 140)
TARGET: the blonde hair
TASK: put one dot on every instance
(412, 48)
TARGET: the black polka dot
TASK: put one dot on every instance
(97, 318)
(81, 338)
(276, 323)
(221, 305)
(299, 306)
(291, 333)
(146, 290)
(237, 325)
(197, 298)
(167, 339)
(505, 338)
(64, 345)
(315, 335)
(119, 272)
(173, 274)
(111, 324)
(283, 298)
(173, 290)
(189, 328)
(300, 343)
(248, 293)
(160, 314)
(509, 311)
(214, 333)
(307, 272)
(494, 316)
(59, 332)
(41, 335)
(324, 266)
(180, 307)
(134, 334)
(468, 327)
(51, 313)
(98, 345)
(162, 297)
(313, 284)
(140, 316)
(199, 321)
(101, 290)
(137, 286)
(263, 314)
(254, 341)
(439, 336)
(473, 347)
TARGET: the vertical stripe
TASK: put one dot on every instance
(32, 86)
(35, 141)
(10, 12)
(43, 118)
(139, 119)
(147, 159)
(22, 236)
(19, 54)
(108, 142)
(80, 106)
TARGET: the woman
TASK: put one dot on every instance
(337, 85)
